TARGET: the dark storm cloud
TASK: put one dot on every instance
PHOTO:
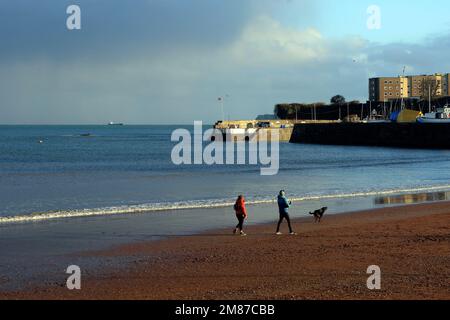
(427, 57)
(118, 27)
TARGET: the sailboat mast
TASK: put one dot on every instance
(429, 97)
(401, 88)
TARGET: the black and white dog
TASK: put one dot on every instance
(318, 214)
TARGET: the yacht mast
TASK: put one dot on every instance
(429, 97)
(401, 88)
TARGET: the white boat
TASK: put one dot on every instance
(115, 124)
(375, 121)
(442, 115)
(375, 118)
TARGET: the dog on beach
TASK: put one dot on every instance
(318, 214)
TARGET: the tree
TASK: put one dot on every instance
(288, 111)
(338, 99)
(429, 88)
(282, 110)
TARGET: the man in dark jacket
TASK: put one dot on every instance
(283, 206)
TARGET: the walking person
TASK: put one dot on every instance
(241, 215)
(283, 206)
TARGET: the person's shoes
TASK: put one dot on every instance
(234, 231)
(243, 233)
(278, 233)
(293, 233)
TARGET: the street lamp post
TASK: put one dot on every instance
(222, 105)
(221, 101)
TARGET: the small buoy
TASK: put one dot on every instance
(40, 141)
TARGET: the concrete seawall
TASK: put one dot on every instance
(406, 135)
(284, 134)
(250, 129)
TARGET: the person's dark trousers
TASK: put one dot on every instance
(241, 219)
(284, 215)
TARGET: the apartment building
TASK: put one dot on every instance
(417, 86)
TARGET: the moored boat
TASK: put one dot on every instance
(441, 115)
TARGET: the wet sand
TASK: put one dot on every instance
(411, 245)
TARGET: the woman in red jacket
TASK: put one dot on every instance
(241, 214)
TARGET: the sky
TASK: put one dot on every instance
(168, 61)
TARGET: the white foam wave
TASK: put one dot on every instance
(200, 204)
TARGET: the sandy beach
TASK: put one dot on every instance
(411, 245)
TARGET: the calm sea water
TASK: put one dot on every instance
(129, 169)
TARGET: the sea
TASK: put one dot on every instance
(70, 189)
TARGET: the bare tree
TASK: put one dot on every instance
(430, 87)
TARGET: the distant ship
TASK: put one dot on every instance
(115, 124)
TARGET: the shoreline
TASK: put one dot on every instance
(59, 215)
(411, 244)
